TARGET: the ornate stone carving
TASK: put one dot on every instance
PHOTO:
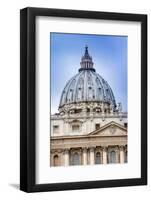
(112, 129)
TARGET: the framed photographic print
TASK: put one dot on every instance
(83, 99)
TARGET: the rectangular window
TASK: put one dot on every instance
(97, 126)
(75, 128)
(55, 129)
(125, 125)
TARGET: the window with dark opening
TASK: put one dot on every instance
(97, 126)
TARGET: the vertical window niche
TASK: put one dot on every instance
(112, 156)
(55, 129)
(125, 157)
(98, 158)
(97, 126)
(75, 159)
(75, 127)
(56, 160)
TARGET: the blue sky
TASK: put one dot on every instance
(109, 54)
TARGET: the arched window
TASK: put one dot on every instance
(75, 159)
(112, 157)
(125, 156)
(56, 160)
(98, 158)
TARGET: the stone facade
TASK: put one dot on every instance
(89, 128)
(111, 137)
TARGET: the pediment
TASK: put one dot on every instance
(110, 129)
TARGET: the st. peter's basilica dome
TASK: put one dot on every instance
(87, 86)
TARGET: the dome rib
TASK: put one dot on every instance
(76, 86)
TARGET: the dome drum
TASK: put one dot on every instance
(87, 107)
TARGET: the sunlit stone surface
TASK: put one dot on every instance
(90, 127)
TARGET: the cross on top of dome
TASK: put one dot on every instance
(86, 61)
(86, 55)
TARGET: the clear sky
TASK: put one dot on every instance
(109, 54)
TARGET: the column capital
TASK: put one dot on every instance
(92, 148)
(66, 150)
(121, 147)
(104, 148)
(84, 149)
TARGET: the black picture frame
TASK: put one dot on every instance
(28, 99)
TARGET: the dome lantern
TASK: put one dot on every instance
(86, 61)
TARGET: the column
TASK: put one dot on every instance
(66, 157)
(84, 110)
(121, 154)
(111, 109)
(91, 119)
(103, 114)
(84, 156)
(104, 155)
(91, 110)
(91, 155)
